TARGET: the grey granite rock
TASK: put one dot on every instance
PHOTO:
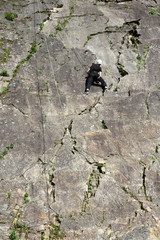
(77, 166)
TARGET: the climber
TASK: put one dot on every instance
(94, 76)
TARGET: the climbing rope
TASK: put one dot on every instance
(41, 109)
(38, 85)
(60, 102)
(50, 61)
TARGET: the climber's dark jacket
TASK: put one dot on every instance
(93, 76)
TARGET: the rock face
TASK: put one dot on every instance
(76, 166)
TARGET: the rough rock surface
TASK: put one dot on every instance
(76, 166)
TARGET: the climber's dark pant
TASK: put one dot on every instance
(91, 79)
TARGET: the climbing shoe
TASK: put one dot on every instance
(105, 88)
(86, 92)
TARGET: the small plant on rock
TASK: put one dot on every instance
(88, 38)
(10, 16)
(153, 11)
(72, 9)
(103, 125)
(141, 60)
(26, 195)
(56, 232)
(4, 91)
(41, 26)
(121, 70)
(13, 235)
(115, 89)
(61, 25)
(32, 51)
(5, 152)
(9, 195)
(4, 73)
(17, 231)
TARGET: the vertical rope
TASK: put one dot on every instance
(41, 110)
(59, 98)
(50, 61)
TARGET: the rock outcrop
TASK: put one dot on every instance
(76, 166)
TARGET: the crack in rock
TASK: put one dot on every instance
(147, 106)
(93, 183)
(73, 139)
(135, 198)
(20, 110)
(148, 198)
(89, 109)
